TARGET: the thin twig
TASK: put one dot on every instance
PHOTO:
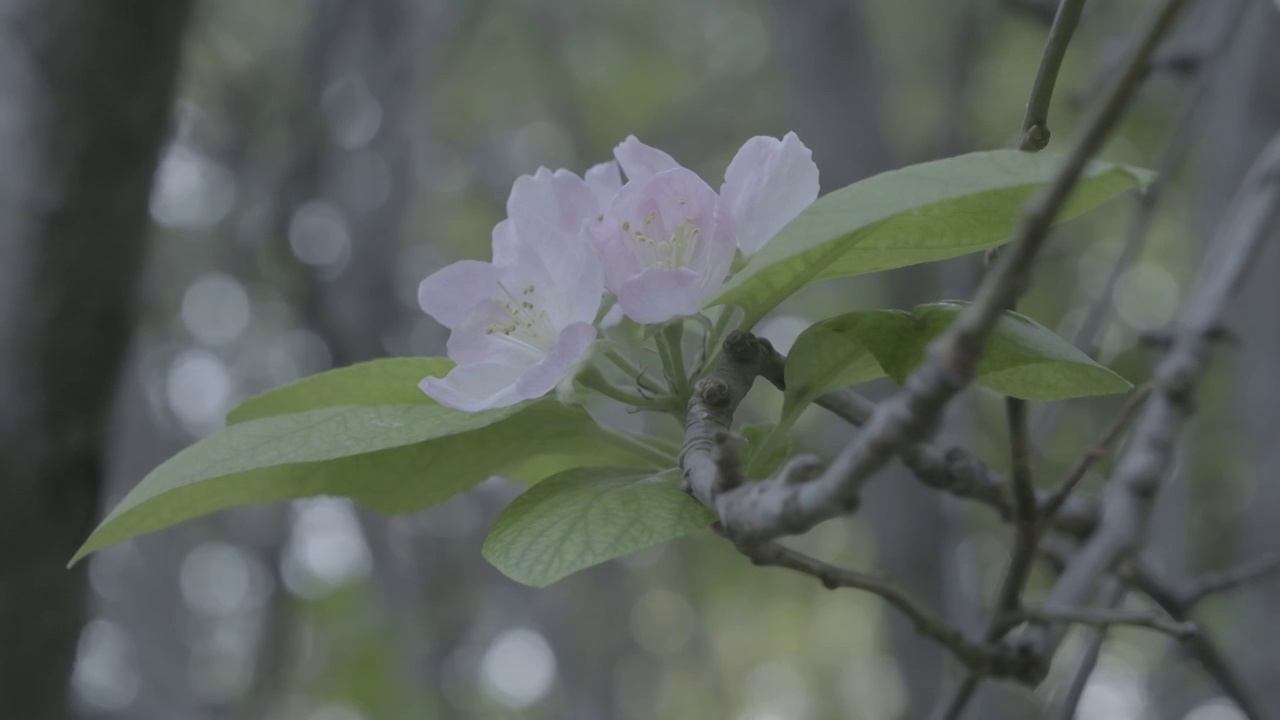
(1026, 517)
(765, 510)
(1097, 637)
(1177, 149)
(1105, 618)
(1015, 264)
(1201, 647)
(959, 473)
(1035, 125)
(1245, 572)
(712, 464)
(979, 657)
(1025, 544)
(1096, 453)
(1136, 480)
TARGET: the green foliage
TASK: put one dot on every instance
(585, 516)
(1022, 359)
(366, 432)
(388, 381)
(392, 458)
(921, 213)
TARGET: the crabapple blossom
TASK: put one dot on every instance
(766, 186)
(664, 245)
(518, 329)
(668, 240)
(522, 323)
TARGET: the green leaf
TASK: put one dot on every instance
(1023, 358)
(824, 357)
(586, 516)
(768, 447)
(390, 458)
(921, 213)
(388, 381)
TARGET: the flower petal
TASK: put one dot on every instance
(617, 253)
(716, 254)
(604, 180)
(475, 340)
(583, 281)
(652, 212)
(452, 292)
(548, 209)
(562, 359)
(504, 243)
(766, 185)
(657, 295)
(641, 162)
(474, 387)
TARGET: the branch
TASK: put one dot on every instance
(1026, 511)
(1105, 618)
(1176, 149)
(959, 473)
(712, 464)
(1136, 480)
(1201, 647)
(761, 511)
(1245, 572)
(1035, 125)
(1097, 452)
(1089, 659)
(978, 657)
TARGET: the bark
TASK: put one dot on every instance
(85, 92)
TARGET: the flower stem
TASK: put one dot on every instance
(671, 349)
(592, 379)
(632, 371)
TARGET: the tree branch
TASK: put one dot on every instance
(956, 471)
(1105, 618)
(781, 505)
(712, 464)
(1245, 572)
(1201, 647)
(1096, 453)
(978, 657)
(1026, 519)
(1136, 480)
(1089, 659)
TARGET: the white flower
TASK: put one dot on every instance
(523, 322)
(668, 240)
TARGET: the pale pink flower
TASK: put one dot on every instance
(518, 329)
(668, 240)
(766, 186)
(523, 323)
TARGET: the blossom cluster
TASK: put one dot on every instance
(659, 245)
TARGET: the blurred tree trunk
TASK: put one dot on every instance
(85, 92)
(1249, 113)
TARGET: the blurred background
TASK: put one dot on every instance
(200, 201)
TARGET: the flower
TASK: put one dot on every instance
(766, 186)
(552, 209)
(522, 323)
(667, 240)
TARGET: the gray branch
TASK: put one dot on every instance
(1106, 618)
(783, 505)
(1136, 480)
